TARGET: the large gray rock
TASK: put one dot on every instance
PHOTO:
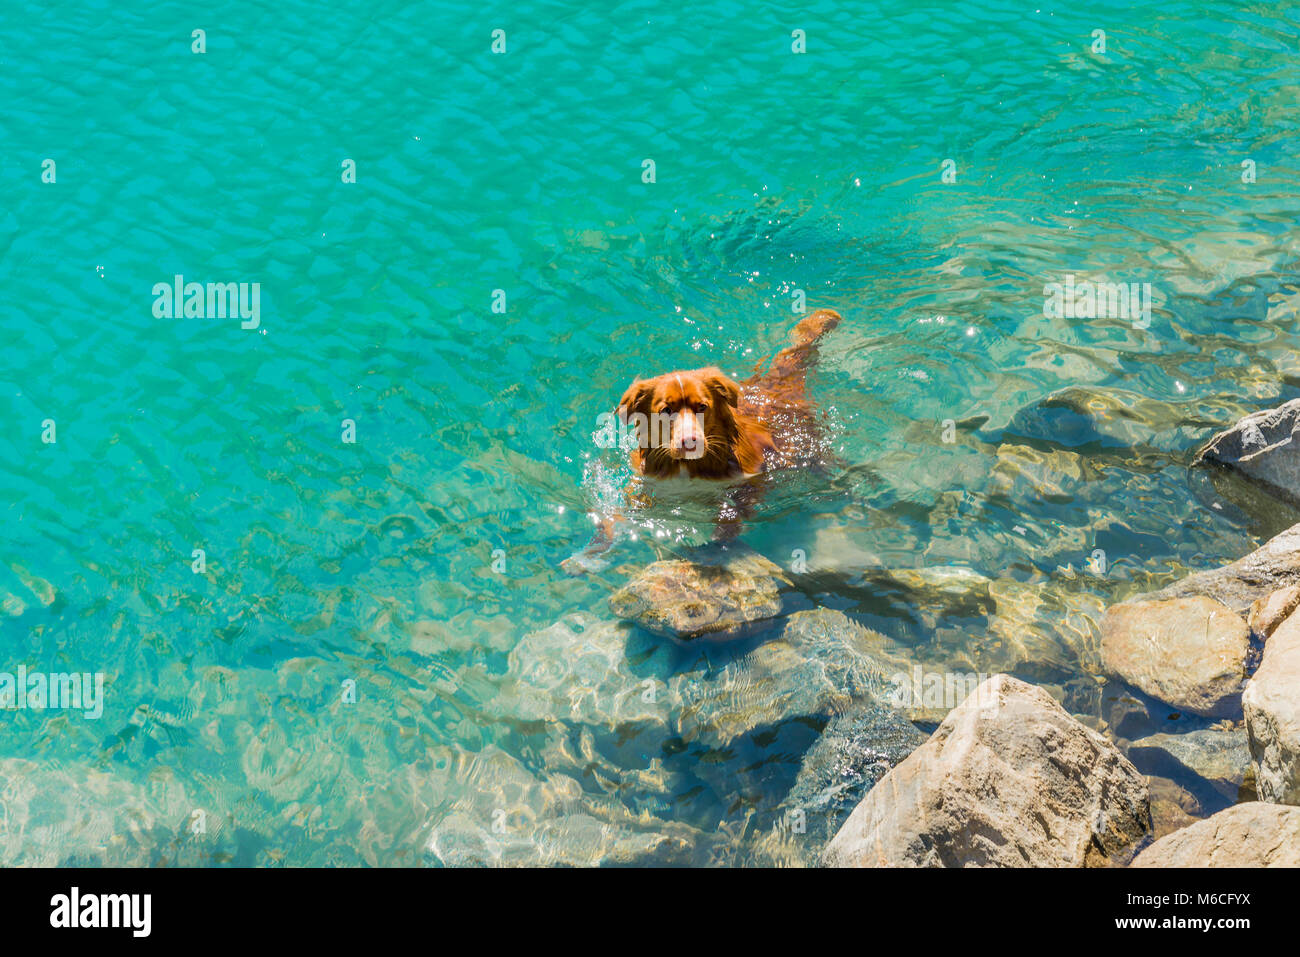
(725, 592)
(1220, 758)
(1272, 706)
(1264, 447)
(1009, 779)
(1274, 565)
(1245, 835)
(819, 665)
(1189, 652)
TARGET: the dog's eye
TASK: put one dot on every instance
(701, 407)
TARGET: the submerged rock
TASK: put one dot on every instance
(1173, 807)
(854, 752)
(956, 585)
(928, 594)
(640, 782)
(1245, 835)
(1009, 779)
(1039, 631)
(1188, 652)
(818, 666)
(508, 816)
(75, 816)
(1274, 565)
(1131, 715)
(726, 592)
(1265, 448)
(1080, 416)
(603, 675)
(934, 592)
(581, 670)
(1272, 706)
(1220, 758)
(1021, 473)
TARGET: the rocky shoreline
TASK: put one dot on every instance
(978, 760)
(1010, 779)
(1078, 725)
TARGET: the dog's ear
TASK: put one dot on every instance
(636, 399)
(753, 442)
(720, 386)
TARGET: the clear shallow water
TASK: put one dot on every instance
(373, 561)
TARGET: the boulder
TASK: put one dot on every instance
(1273, 609)
(1008, 779)
(1265, 448)
(1188, 652)
(1245, 835)
(1220, 758)
(726, 592)
(1274, 565)
(1272, 706)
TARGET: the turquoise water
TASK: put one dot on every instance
(373, 561)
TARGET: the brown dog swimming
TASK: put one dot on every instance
(699, 424)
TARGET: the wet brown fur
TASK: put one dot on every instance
(761, 424)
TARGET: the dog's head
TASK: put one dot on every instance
(684, 417)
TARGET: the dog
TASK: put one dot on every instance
(698, 424)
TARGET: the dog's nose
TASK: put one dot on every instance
(689, 442)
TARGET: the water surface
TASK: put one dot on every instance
(373, 561)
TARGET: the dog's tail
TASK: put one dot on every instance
(813, 327)
(793, 361)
